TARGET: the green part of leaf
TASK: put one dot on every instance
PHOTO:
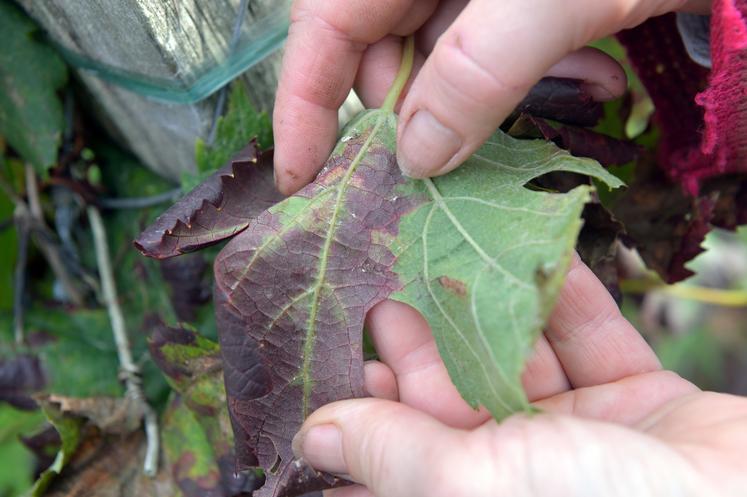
(15, 478)
(484, 257)
(79, 354)
(187, 448)
(234, 130)
(69, 428)
(31, 72)
(192, 366)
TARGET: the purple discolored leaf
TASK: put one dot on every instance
(580, 142)
(193, 368)
(217, 209)
(291, 295)
(188, 289)
(20, 376)
(597, 246)
(563, 100)
(664, 223)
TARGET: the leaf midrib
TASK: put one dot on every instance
(310, 338)
(490, 261)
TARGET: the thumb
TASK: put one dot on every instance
(396, 451)
(392, 449)
(487, 61)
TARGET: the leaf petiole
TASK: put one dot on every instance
(405, 68)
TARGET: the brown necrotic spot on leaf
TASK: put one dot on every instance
(453, 285)
(217, 209)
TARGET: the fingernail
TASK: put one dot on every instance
(426, 145)
(321, 446)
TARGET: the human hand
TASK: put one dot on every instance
(475, 61)
(614, 423)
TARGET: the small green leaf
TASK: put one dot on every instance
(16, 478)
(30, 74)
(483, 259)
(234, 131)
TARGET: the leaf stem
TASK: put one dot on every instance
(715, 296)
(405, 68)
(130, 371)
(19, 279)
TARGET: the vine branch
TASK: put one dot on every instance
(130, 371)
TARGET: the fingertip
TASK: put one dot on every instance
(380, 381)
(286, 181)
(427, 146)
(603, 76)
(304, 137)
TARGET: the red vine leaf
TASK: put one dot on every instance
(291, 295)
(217, 209)
(666, 225)
(563, 100)
(580, 142)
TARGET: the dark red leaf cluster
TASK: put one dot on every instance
(185, 277)
(219, 208)
(702, 116)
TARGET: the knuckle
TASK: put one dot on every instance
(460, 64)
(357, 21)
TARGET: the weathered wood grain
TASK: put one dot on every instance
(161, 38)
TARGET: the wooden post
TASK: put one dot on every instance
(164, 39)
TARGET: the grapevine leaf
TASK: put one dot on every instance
(95, 459)
(597, 246)
(292, 290)
(217, 209)
(17, 428)
(291, 294)
(198, 467)
(192, 366)
(113, 466)
(198, 440)
(483, 258)
(188, 288)
(562, 100)
(665, 224)
(30, 75)
(580, 142)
